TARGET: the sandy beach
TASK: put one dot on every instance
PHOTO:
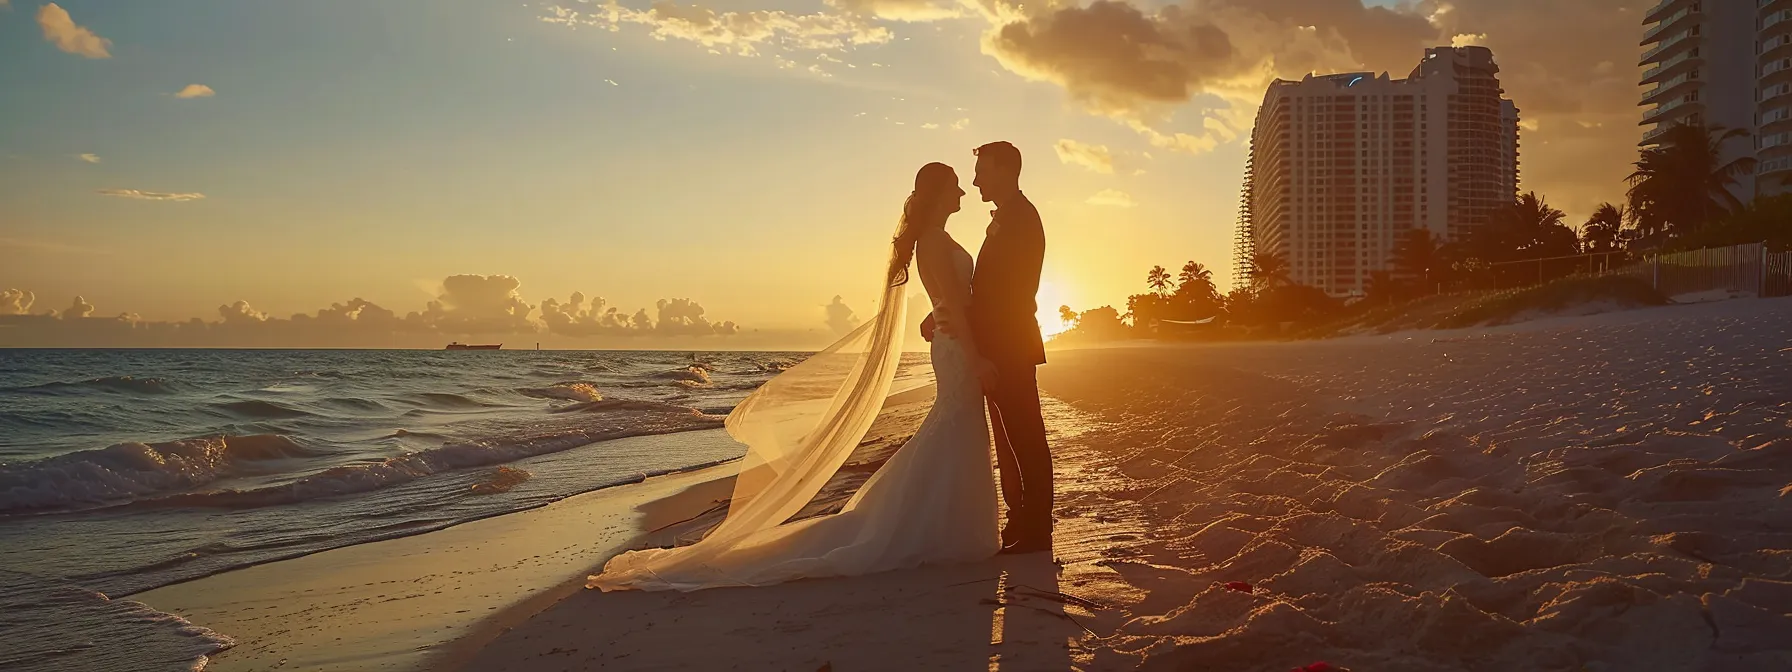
(1599, 492)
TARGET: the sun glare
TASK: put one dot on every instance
(1050, 297)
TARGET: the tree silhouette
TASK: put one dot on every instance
(1604, 230)
(1195, 283)
(1683, 183)
(1158, 280)
(1268, 270)
(1529, 228)
(1067, 316)
(1417, 258)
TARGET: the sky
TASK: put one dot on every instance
(723, 169)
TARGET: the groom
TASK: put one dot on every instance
(1002, 320)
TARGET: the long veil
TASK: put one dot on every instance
(799, 428)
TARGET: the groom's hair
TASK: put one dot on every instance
(1001, 155)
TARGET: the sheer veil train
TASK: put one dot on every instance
(799, 428)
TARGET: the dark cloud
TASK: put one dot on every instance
(1119, 60)
(1570, 67)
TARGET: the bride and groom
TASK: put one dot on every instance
(934, 500)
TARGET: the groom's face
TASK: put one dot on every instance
(993, 179)
(982, 180)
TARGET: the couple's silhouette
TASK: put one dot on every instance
(934, 501)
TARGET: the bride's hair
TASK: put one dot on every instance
(920, 213)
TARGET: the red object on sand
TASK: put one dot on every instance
(1242, 587)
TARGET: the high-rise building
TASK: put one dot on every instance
(1773, 117)
(1702, 68)
(1343, 166)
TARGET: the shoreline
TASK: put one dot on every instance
(404, 601)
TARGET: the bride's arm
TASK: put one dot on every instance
(933, 257)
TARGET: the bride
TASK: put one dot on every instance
(934, 501)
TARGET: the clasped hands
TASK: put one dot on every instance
(982, 367)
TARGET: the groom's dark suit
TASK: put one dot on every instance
(1002, 319)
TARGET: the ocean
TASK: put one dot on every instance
(126, 470)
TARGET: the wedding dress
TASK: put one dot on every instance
(934, 501)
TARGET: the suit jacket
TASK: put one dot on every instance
(1004, 285)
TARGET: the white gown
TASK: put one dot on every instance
(934, 501)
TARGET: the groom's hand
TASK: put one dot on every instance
(986, 375)
(927, 327)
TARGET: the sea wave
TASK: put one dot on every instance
(129, 470)
(693, 375)
(112, 384)
(444, 400)
(368, 476)
(260, 410)
(569, 391)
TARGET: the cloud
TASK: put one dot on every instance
(741, 33)
(1112, 198)
(840, 318)
(1093, 157)
(78, 309)
(901, 10)
(195, 91)
(1469, 40)
(241, 312)
(1117, 60)
(961, 124)
(62, 30)
(486, 306)
(151, 195)
(16, 302)
(478, 304)
(90, 158)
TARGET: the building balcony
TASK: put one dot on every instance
(1776, 46)
(1684, 82)
(1673, 111)
(1775, 18)
(1671, 23)
(1770, 166)
(1662, 9)
(1671, 67)
(1669, 47)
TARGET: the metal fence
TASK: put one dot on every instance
(1530, 272)
(1749, 269)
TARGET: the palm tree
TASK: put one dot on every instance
(1604, 230)
(1417, 257)
(1267, 270)
(1067, 316)
(1158, 280)
(1528, 229)
(1196, 282)
(1683, 183)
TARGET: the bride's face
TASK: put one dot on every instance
(953, 200)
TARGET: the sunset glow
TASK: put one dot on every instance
(750, 159)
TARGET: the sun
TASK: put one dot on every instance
(1050, 297)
